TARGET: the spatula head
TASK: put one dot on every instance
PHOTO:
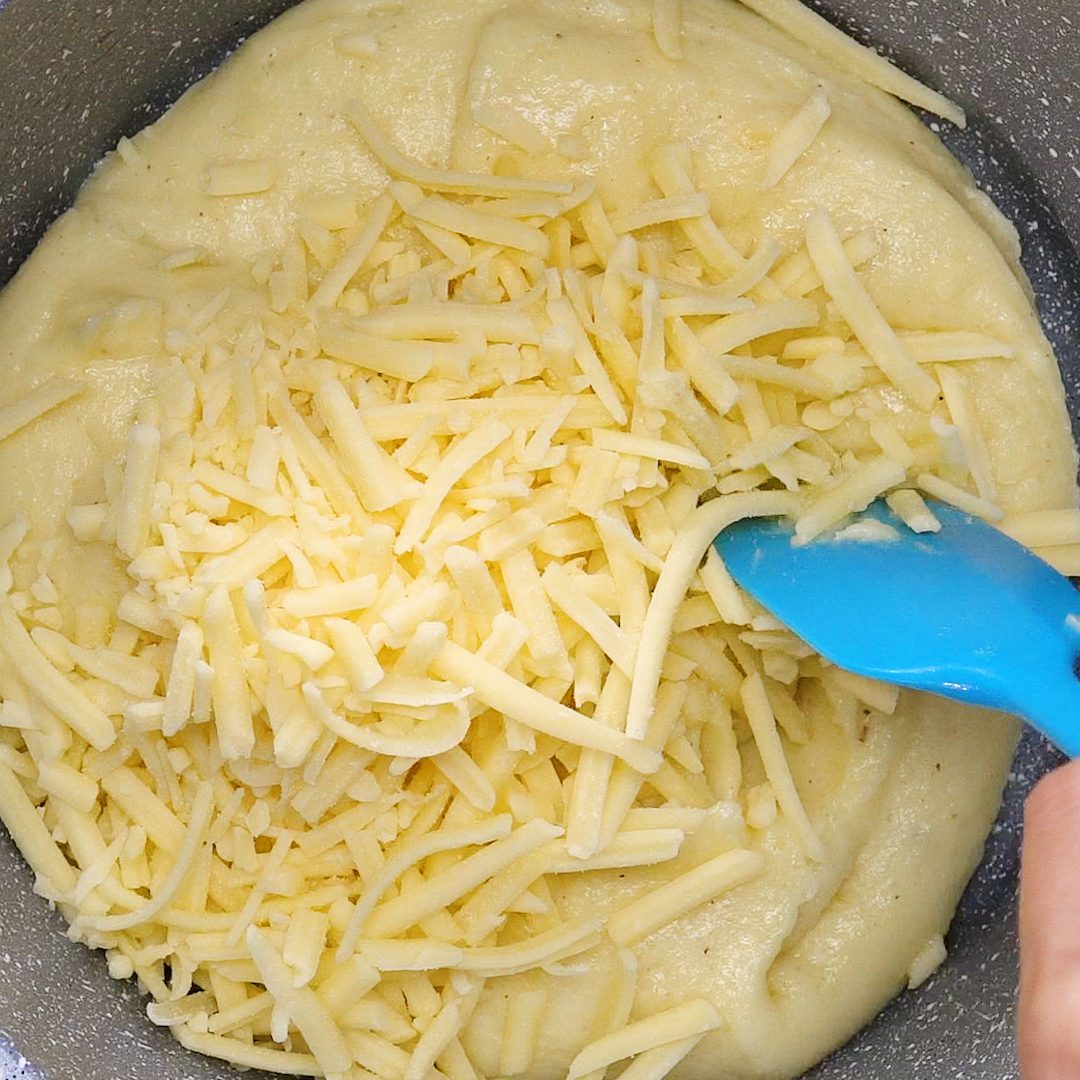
(965, 612)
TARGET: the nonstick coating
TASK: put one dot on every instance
(78, 74)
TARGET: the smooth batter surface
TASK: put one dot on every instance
(799, 959)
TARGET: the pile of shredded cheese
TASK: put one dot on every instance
(420, 614)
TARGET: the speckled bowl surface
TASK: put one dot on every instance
(78, 74)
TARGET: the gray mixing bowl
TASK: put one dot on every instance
(78, 74)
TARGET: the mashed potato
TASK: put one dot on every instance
(364, 427)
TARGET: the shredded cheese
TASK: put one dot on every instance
(239, 178)
(862, 315)
(680, 1022)
(511, 126)
(928, 959)
(851, 493)
(667, 27)
(796, 137)
(1043, 528)
(946, 491)
(524, 1017)
(423, 620)
(443, 179)
(48, 685)
(808, 26)
(36, 403)
(665, 904)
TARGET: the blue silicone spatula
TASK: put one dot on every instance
(965, 612)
